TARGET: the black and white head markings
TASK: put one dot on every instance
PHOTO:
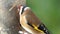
(22, 9)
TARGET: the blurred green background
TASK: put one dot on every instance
(48, 11)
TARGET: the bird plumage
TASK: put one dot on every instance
(30, 22)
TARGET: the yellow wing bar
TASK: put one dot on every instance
(36, 28)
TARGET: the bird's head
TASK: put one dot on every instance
(23, 9)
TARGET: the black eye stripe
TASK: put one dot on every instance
(23, 9)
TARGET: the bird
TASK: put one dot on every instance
(30, 22)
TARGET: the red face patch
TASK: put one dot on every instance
(19, 7)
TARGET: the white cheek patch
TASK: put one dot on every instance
(20, 10)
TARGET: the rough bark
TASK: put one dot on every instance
(9, 23)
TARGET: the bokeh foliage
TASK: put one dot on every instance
(48, 11)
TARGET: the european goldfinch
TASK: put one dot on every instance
(30, 22)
